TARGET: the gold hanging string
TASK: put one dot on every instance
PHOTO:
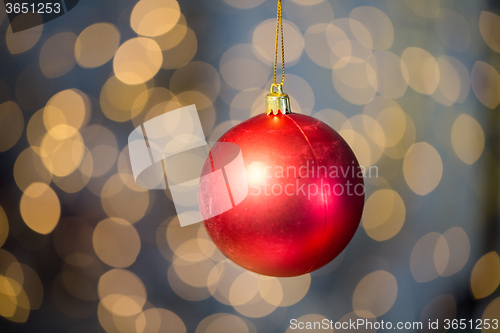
(279, 32)
(277, 101)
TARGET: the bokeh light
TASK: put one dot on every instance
(423, 168)
(40, 208)
(96, 45)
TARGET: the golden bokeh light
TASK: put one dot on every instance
(36, 130)
(378, 23)
(121, 102)
(159, 320)
(459, 250)
(204, 106)
(103, 148)
(20, 289)
(442, 307)
(118, 313)
(422, 168)
(116, 242)
(359, 145)
(491, 312)
(137, 60)
(326, 44)
(79, 178)
(294, 289)
(485, 82)
(22, 41)
(221, 279)
(359, 81)
(174, 36)
(32, 286)
(244, 288)
(184, 290)
(489, 25)
(375, 294)
(384, 214)
(194, 270)
(11, 125)
(56, 55)
(393, 123)
(391, 74)
(222, 323)
(429, 257)
(264, 42)
(335, 119)
(154, 17)
(441, 254)
(270, 289)
(241, 69)
(181, 53)
(4, 226)
(175, 235)
(14, 305)
(301, 94)
(66, 113)
(409, 137)
(62, 156)
(40, 208)
(246, 103)
(196, 76)
(29, 169)
(257, 307)
(96, 45)
(160, 99)
(467, 138)
(244, 4)
(450, 83)
(447, 87)
(423, 70)
(366, 137)
(485, 276)
(356, 32)
(120, 282)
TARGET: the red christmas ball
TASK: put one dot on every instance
(305, 195)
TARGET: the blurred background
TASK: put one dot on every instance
(413, 86)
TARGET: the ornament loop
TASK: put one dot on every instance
(277, 102)
(277, 86)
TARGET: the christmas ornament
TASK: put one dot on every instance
(305, 190)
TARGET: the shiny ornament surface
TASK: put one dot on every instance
(305, 196)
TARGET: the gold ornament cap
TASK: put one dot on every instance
(277, 102)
